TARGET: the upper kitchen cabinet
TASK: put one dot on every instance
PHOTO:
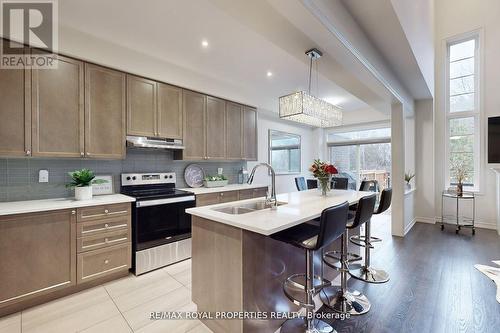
(215, 128)
(249, 133)
(169, 117)
(15, 112)
(105, 99)
(57, 109)
(234, 120)
(194, 105)
(141, 106)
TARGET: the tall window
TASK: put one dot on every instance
(462, 112)
(362, 155)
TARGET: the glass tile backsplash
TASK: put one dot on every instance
(19, 176)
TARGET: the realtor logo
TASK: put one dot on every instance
(32, 23)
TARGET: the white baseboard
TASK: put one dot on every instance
(409, 226)
(429, 220)
(437, 219)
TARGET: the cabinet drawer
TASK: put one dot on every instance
(207, 199)
(99, 241)
(89, 228)
(228, 196)
(260, 192)
(99, 263)
(103, 212)
(246, 194)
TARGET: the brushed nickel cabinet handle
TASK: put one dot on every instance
(106, 211)
(73, 212)
(222, 194)
(106, 261)
(82, 154)
(106, 225)
(28, 152)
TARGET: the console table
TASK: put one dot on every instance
(455, 219)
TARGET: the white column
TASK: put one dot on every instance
(497, 173)
(398, 169)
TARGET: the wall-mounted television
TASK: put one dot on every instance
(494, 140)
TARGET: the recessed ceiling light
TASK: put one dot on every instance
(269, 73)
(204, 43)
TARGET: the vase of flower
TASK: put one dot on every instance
(324, 185)
(323, 172)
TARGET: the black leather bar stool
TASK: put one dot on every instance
(343, 300)
(301, 288)
(365, 272)
(312, 183)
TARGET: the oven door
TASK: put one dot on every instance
(162, 221)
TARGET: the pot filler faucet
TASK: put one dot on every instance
(272, 199)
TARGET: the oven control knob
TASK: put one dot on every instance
(170, 176)
(134, 178)
(128, 178)
(165, 177)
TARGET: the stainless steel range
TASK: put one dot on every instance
(161, 229)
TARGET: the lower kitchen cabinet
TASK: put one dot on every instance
(229, 196)
(38, 254)
(52, 254)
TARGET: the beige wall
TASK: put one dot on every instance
(452, 18)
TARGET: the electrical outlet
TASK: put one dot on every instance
(43, 176)
(219, 171)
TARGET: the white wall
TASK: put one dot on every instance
(284, 183)
(424, 160)
(417, 21)
(454, 17)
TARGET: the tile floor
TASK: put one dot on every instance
(119, 306)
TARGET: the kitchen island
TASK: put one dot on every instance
(237, 267)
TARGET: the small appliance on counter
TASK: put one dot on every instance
(161, 229)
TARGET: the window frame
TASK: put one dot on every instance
(476, 113)
(288, 148)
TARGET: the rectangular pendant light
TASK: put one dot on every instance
(307, 109)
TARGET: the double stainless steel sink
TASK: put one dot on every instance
(246, 208)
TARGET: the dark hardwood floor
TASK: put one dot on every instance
(434, 286)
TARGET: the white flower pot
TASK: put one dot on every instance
(83, 193)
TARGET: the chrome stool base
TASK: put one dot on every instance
(299, 325)
(294, 288)
(368, 274)
(349, 302)
(336, 256)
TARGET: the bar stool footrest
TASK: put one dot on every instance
(294, 288)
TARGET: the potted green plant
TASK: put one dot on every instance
(81, 181)
(408, 177)
(215, 181)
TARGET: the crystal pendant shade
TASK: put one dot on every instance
(307, 109)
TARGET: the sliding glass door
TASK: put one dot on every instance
(362, 155)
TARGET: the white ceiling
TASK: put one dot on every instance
(238, 54)
(381, 25)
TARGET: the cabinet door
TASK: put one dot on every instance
(229, 196)
(15, 111)
(104, 112)
(57, 109)
(169, 111)
(234, 149)
(38, 254)
(250, 133)
(194, 105)
(141, 106)
(216, 128)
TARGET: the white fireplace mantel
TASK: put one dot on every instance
(497, 173)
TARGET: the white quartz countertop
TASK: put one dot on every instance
(300, 207)
(33, 206)
(231, 187)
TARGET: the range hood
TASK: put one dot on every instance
(155, 143)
